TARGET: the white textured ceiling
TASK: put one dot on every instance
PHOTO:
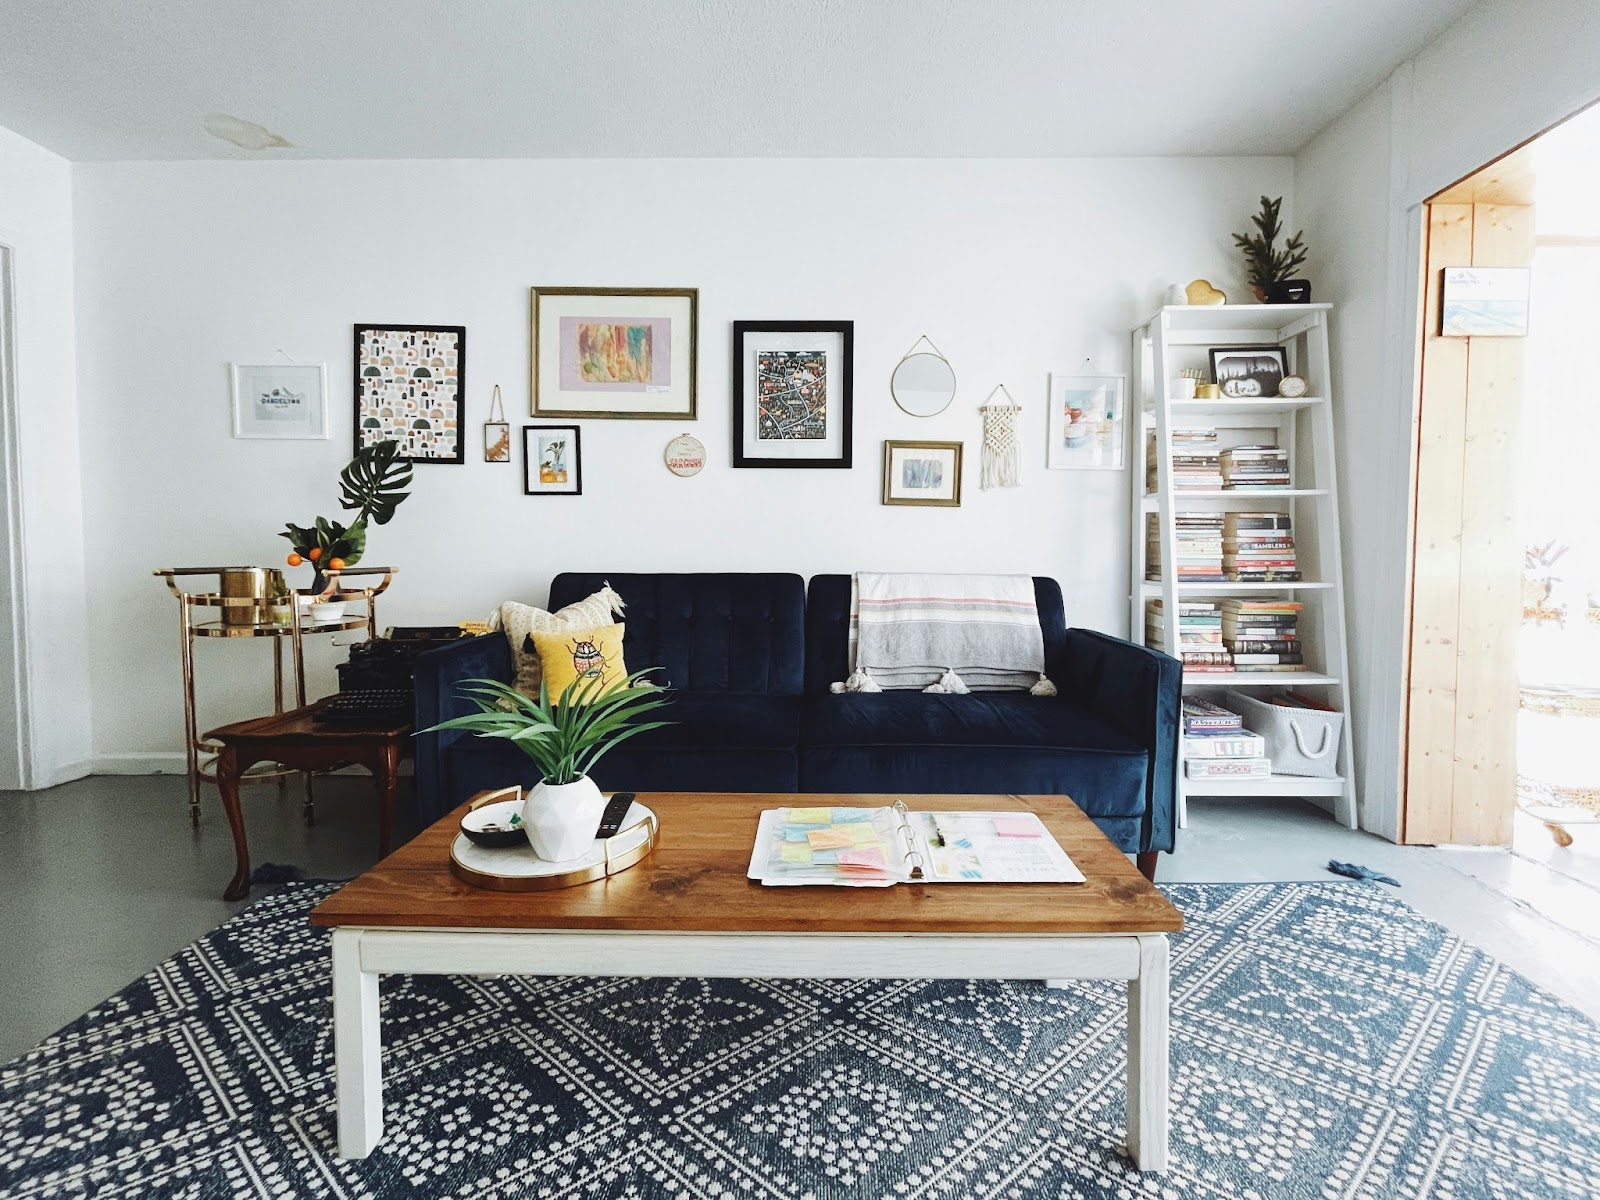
(112, 79)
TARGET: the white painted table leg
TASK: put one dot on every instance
(357, 1048)
(1147, 1056)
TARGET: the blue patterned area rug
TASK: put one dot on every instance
(1327, 1042)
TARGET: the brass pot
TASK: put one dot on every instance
(243, 583)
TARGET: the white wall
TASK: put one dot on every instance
(36, 222)
(1014, 268)
(1497, 77)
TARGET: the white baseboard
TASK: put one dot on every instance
(67, 772)
(166, 762)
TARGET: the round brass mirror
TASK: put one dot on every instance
(923, 384)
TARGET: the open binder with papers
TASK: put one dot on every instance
(879, 847)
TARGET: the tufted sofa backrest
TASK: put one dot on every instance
(731, 632)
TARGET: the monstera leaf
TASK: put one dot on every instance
(375, 482)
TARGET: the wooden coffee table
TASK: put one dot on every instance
(688, 910)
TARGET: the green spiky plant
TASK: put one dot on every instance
(565, 739)
(1265, 264)
(373, 484)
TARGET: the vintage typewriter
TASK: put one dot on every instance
(375, 685)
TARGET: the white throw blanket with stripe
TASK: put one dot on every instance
(945, 633)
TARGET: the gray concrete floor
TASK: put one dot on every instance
(102, 879)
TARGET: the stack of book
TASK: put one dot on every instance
(1254, 467)
(1199, 634)
(1263, 635)
(1196, 465)
(1258, 547)
(1216, 745)
(1200, 548)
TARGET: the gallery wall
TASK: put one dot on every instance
(36, 223)
(1013, 268)
(1491, 81)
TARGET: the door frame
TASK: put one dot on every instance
(16, 744)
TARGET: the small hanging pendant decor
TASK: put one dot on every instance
(496, 432)
(685, 455)
(1002, 455)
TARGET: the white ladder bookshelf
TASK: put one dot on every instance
(1178, 337)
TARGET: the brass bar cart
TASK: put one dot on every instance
(285, 620)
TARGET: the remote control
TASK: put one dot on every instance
(616, 809)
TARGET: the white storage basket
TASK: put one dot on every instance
(1300, 741)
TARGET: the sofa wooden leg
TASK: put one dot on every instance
(1145, 860)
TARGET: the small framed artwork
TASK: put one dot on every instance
(496, 431)
(1245, 372)
(409, 387)
(623, 353)
(792, 393)
(922, 473)
(1484, 302)
(1086, 429)
(280, 400)
(552, 460)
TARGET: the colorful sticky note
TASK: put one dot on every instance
(1017, 827)
(826, 858)
(794, 852)
(871, 859)
(809, 816)
(794, 833)
(845, 816)
(862, 834)
(829, 839)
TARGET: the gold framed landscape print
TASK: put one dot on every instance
(621, 353)
(922, 473)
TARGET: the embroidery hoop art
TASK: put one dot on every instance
(685, 455)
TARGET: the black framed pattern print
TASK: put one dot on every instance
(792, 393)
(410, 384)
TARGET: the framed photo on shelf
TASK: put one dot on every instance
(621, 353)
(922, 473)
(410, 384)
(792, 393)
(279, 400)
(552, 460)
(1087, 428)
(1246, 372)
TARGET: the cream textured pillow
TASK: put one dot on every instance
(521, 621)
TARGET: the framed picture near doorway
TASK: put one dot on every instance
(619, 353)
(792, 393)
(552, 460)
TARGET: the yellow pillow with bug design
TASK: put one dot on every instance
(582, 654)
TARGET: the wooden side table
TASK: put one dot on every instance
(295, 739)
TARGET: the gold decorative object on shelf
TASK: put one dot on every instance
(247, 609)
(1200, 291)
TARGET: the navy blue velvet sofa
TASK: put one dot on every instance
(750, 658)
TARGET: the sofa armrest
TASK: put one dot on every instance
(438, 676)
(1139, 692)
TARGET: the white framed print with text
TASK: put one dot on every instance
(280, 400)
(1088, 423)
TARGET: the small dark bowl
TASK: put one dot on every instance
(493, 836)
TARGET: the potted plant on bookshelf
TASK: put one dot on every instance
(564, 739)
(1270, 270)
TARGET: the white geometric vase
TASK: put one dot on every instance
(561, 818)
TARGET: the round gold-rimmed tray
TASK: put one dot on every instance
(518, 869)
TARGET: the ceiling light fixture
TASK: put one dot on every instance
(247, 135)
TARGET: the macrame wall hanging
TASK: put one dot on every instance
(1002, 455)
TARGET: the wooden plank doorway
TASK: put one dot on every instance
(1467, 554)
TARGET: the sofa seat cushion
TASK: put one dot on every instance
(979, 744)
(978, 719)
(719, 742)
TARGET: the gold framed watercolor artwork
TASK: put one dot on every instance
(618, 353)
(925, 474)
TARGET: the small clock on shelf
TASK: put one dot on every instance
(1292, 386)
